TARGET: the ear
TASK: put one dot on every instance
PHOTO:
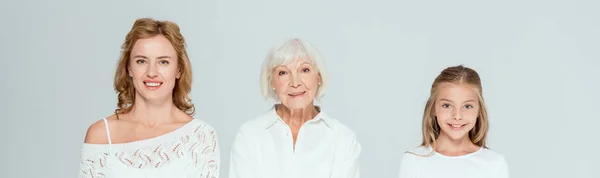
(271, 83)
(178, 74)
(320, 79)
(129, 73)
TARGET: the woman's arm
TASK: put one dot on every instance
(208, 153)
(241, 163)
(93, 159)
(348, 166)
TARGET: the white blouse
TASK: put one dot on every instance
(482, 163)
(190, 151)
(325, 148)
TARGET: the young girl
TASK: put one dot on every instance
(455, 125)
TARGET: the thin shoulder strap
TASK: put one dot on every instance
(107, 132)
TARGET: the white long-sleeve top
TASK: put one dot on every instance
(325, 148)
(482, 163)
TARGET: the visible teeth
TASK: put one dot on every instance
(152, 84)
(456, 126)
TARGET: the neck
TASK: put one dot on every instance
(296, 117)
(153, 113)
(445, 144)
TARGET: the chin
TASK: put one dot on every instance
(153, 96)
(459, 136)
(455, 135)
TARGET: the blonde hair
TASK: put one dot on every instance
(146, 28)
(285, 53)
(457, 75)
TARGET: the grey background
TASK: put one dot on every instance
(538, 61)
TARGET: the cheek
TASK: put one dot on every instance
(135, 69)
(472, 115)
(279, 83)
(137, 74)
(169, 72)
(443, 113)
(440, 117)
(311, 81)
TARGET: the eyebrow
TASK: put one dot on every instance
(160, 57)
(277, 67)
(306, 63)
(444, 99)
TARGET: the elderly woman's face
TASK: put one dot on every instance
(296, 83)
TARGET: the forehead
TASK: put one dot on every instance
(154, 46)
(457, 92)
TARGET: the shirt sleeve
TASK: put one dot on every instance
(502, 169)
(92, 163)
(208, 154)
(348, 167)
(241, 163)
(407, 169)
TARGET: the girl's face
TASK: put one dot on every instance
(456, 109)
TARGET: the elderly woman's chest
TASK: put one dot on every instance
(311, 156)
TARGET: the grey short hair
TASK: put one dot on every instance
(286, 52)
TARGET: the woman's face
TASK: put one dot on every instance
(296, 83)
(153, 67)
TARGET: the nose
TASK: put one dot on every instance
(296, 82)
(152, 70)
(457, 114)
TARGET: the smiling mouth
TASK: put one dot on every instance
(297, 94)
(153, 85)
(457, 126)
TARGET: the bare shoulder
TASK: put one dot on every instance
(96, 133)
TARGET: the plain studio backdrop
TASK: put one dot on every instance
(538, 60)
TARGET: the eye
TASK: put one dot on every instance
(445, 105)
(282, 73)
(305, 70)
(140, 61)
(468, 106)
(164, 62)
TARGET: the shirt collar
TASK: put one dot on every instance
(272, 118)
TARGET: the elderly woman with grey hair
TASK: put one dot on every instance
(295, 138)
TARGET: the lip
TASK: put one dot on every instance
(152, 84)
(153, 81)
(297, 94)
(456, 126)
